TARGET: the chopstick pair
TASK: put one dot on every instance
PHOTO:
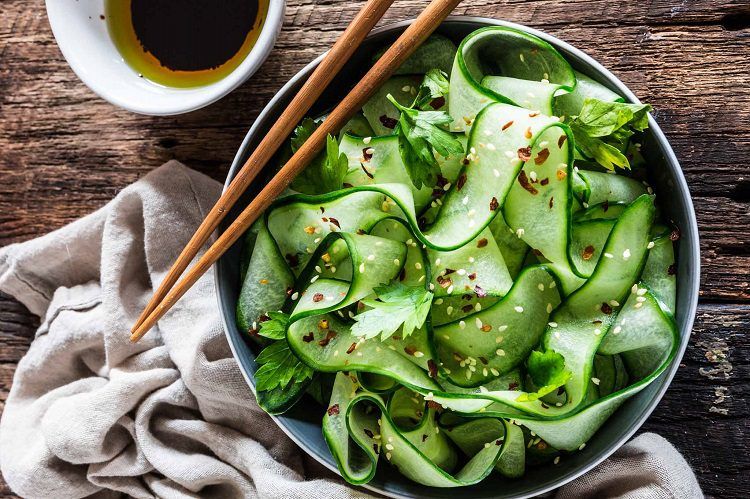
(167, 294)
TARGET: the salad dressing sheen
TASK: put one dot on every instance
(186, 43)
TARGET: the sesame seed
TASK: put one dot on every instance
(617, 330)
(295, 295)
(626, 254)
(552, 324)
(449, 310)
(650, 245)
(549, 308)
(510, 154)
(500, 352)
(641, 291)
(597, 331)
(580, 447)
(439, 301)
(557, 460)
(461, 272)
(406, 88)
(396, 262)
(473, 150)
(640, 299)
(317, 269)
(367, 140)
(478, 323)
(462, 324)
(471, 259)
(472, 212)
(557, 335)
(499, 340)
(335, 353)
(421, 278)
(614, 303)
(362, 268)
(370, 257)
(487, 445)
(450, 289)
(540, 286)
(418, 266)
(518, 309)
(465, 200)
(418, 354)
(388, 456)
(391, 347)
(472, 223)
(596, 381)
(634, 289)
(520, 232)
(502, 328)
(447, 186)
(532, 176)
(370, 151)
(520, 56)
(432, 287)
(552, 284)
(478, 307)
(315, 278)
(608, 255)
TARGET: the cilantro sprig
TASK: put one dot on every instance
(420, 137)
(327, 171)
(397, 306)
(433, 92)
(548, 373)
(279, 367)
(602, 130)
(275, 327)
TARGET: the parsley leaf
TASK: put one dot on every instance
(602, 130)
(433, 91)
(548, 373)
(419, 138)
(399, 306)
(279, 366)
(326, 172)
(275, 328)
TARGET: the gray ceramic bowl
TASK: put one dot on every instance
(303, 426)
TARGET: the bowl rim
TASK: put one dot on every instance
(202, 96)
(689, 233)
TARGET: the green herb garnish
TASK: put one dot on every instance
(279, 367)
(398, 306)
(548, 373)
(327, 171)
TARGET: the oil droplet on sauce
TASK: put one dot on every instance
(186, 43)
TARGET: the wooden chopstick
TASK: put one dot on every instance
(401, 49)
(328, 68)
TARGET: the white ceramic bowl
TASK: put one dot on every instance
(85, 42)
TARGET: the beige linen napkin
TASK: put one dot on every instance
(171, 416)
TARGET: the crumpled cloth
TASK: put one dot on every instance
(90, 413)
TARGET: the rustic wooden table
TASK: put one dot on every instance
(64, 152)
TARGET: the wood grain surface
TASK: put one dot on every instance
(64, 152)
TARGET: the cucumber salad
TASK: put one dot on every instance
(473, 276)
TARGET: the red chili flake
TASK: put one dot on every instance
(561, 140)
(457, 357)
(322, 209)
(370, 175)
(434, 405)
(544, 181)
(424, 437)
(507, 125)
(536, 252)
(325, 219)
(465, 161)
(289, 291)
(467, 308)
(441, 181)
(472, 276)
(388, 122)
(375, 446)
(561, 174)
(347, 185)
(317, 297)
(409, 350)
(513, 386)
(448, 271)
(498, 442)
(264, 318)
(335, 222)
(672, 269)
(587, 253)
(560, 390)
(494, 204)
(484, 360)
(361, 232)
(524, 153)
(333, 410)
(542, 156)
(402, 274)
(253, 331)
(551, 202)
(605, 205)
(292, 259)
(542, 445)
(479, 291)
(524, 181)
(596, 322)
(329, 336)
(432, 368)
(606, 308)
(444, 282)
(437, 102)
(482, 243)
(437, 192)
(533, 115)
(351, 348)
(467, 296)
(366, 155)
(675, 234)
(461, 181)
(369, 433)
(528, 133)
(308, 337)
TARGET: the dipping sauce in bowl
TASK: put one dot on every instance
(185, 44)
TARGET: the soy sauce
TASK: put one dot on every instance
(185, 43)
